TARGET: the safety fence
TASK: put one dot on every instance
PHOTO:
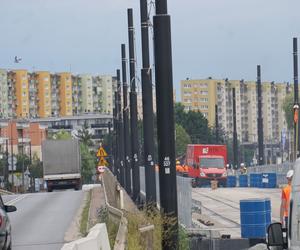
(184, 196)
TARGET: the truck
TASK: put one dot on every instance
(61, 164)
(206, 163)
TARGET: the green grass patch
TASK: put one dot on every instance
(85, 216)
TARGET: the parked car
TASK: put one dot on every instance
(5, 227)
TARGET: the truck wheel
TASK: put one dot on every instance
(49, 189)
(194, 183)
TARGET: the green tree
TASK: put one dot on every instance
(85, 136)
(60, 135)
(36, 167)
(88, 163)
(287, 107)
(182, 139)
(22, 159)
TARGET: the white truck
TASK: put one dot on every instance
(61, 164)
(288, 238)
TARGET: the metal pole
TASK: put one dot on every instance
(133, 112)
(12, 154)
(148, 126)
(165, 123)
(126, 124)
(116, 168)
(23, 183)
(235, 141)
(260, 131)
(120, 133)
(6, 166)
(217, 124)
(296, 99)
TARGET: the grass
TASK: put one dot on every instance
(85, 216)
(153, 217)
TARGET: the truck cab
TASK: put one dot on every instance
(207, 163)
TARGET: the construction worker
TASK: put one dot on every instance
(243, 169)
(285, 199)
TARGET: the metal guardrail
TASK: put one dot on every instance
(3, 191)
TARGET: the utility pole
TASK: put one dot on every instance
(6, 165)
(115, 153)
(126, 123)
(146, 76)
(235, 141)
(133, 112)
(217, 124)
(120, 146)
(165, 123)
(260, 131)
(296, 100)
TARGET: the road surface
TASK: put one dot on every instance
(42, 219)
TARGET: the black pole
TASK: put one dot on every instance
(6, 165)
(165, 123)
(146, 76)
(121, 167)
(23, 181)
(217, 124)
(133, 112)
(126, 124)
(235, 141)
(116, 139)
(296, 99)
(110, 145)
(30, 154)
(260, 131)
(12, 154)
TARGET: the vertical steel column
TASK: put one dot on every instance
(127, 148)
(165, 123)
(235, 141)
(296, 100)
(217, 124)
(146, 76)
(260, 131)
(133, 113)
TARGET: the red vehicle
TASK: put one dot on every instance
(206, 163)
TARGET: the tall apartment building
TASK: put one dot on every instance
(65, 94)
(204, 94)
(18, 93)
(76, 95)
(3, 94)
(87, 93)
(104, 87)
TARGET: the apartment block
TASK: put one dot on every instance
(87, 93)
(104, 87)
(204, 94)
(65, 94)
(76, 95)
(3, 94)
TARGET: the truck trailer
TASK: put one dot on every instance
(61, 164)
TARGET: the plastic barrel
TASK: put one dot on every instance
(254, 217)
(269, 180)
(243, 180)
(231, 181)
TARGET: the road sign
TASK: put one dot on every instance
(101, 152)
(102, 162)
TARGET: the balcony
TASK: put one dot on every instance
(24, 140)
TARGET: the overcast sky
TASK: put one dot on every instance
(217, 38)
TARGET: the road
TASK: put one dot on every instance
(42, 219)
(221, 206)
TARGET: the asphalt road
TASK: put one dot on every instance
(42, 219)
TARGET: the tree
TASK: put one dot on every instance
(287, 107)
(36, 168)
(85, 136)
(181, 140)
(88, 163)
(60, 135)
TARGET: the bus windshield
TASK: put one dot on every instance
(211, 162)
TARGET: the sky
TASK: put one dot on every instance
(210, 38)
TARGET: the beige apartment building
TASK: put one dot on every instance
(204, 94)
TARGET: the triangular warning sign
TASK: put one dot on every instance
(102, 162)
(101, 152)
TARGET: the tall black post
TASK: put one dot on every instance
(110, 144)
(165, 122)
(133, 112)
(217, 124)
(235, 142)
(120, 133)
(115, 137)
(127, 148)
(296, 100)
(6, 165)
(146, 76)
(260, 131)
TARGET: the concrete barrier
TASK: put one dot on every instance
(95, 240)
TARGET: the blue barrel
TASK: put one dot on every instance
(231, 181)
(256, 180)
(243, 180)
(269, 180)
(255, 215)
